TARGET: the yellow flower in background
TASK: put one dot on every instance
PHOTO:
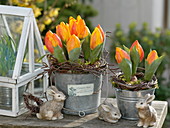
(150, 42)
(47, 20)
(39, 1)
(37, 11)
(36, 51)
(17, 26)
(45, 48)
(14, 1)
(54, 12)
(41, 27)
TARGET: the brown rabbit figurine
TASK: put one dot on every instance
(147, 114)
(108, 112)
(51, 110)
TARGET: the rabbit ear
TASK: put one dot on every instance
(150, 98)
(51, 92)
(54, 88)
(105, 107)
(114, 107)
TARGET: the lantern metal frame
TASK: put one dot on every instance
(30, 32)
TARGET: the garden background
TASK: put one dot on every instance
(142, 20)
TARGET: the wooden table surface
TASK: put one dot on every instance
(89, 121)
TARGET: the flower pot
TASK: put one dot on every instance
(83, 92)
(126, 101)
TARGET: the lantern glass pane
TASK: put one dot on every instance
(25, 63)
(38, 87)
(5, 98)
(20, 95)
(37, 55)
(10, 33)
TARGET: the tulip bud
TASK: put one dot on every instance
(96, 38)
(101, 30)
(151, 64)
(137, 55)
(139, 49)
(73, 48)
(52, 40)
(72, 43)
(123, 60)
(120, 55)
(62, 30)
(152, 56)
(78, 27)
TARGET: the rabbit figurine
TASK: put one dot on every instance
(108, 112)
(147, 114)
(51, 110)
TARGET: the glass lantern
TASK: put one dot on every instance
(20, 49)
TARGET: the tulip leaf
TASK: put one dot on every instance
(150, 69)
(101, 50)
(126, 67)
(94, 54)
(65, 50)
(86, 48)
(126, 49)
(135, 57)
(59, 54)
(74, 54)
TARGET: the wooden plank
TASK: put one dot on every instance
(89, 121)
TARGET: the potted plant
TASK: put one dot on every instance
(77, 63)
(132, 82)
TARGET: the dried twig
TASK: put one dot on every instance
(73, 67)
(119, 83)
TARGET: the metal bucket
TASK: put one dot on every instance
(83, 92)
(6, 97)
(126, 101)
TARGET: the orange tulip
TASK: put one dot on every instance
(152, 56)
(139, 49)
(73, 43)
(78, 27)
(120, 55)
(96, 38)
(52, 40)
(101, 30)
(62, 30)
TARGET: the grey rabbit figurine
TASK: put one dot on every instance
(51, 110)
(147, 114)
(108, 112)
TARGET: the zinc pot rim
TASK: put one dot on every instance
(76, 73)
(133, 91)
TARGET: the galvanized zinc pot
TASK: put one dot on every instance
(126, 101)
(83, 92)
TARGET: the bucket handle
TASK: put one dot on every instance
(118, 90)
(82, 113)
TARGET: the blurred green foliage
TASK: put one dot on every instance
(158, 40)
